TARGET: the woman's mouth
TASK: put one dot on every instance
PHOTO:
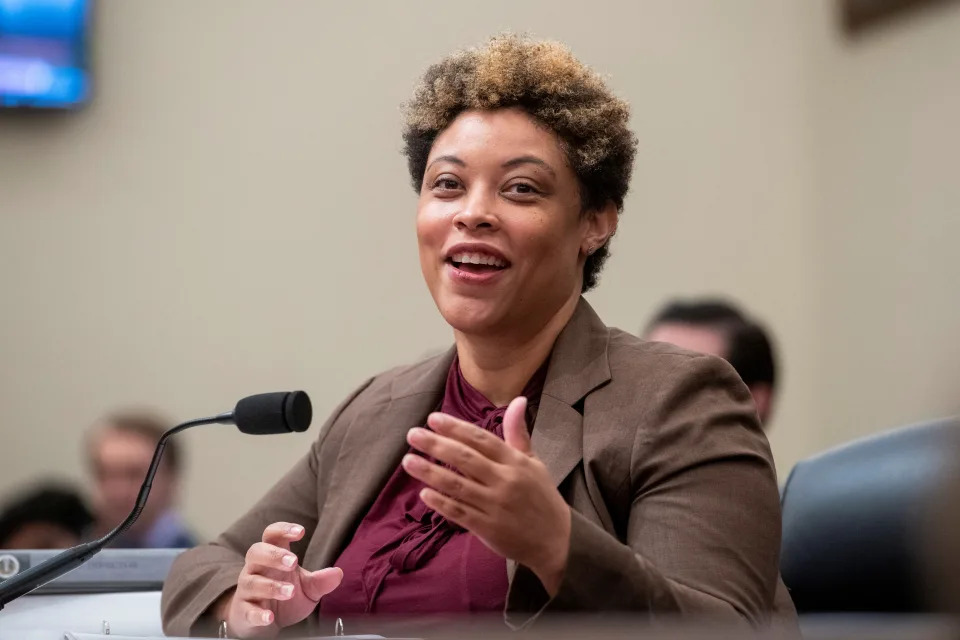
(477, 263)
(473, 268)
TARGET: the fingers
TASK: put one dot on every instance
(480, 440)
(264, 555)
(255, 615)
(467, 460)
(317, 584)
(446, 481)
(253, 587)
(281, 534)
(515, 431)
(274, 551)
(269, 577)
(462, 514)
(462, 456)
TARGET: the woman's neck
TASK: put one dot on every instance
(499, 366)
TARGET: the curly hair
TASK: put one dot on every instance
(545, 80)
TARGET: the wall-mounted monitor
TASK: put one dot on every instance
(43, 53)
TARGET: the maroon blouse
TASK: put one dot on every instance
(407, 559)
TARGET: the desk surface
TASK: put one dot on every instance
(48, 617)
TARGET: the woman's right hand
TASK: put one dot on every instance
(273, 591)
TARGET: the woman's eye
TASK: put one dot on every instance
(522, 188)
(446, 184)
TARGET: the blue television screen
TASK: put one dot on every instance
(43, 53)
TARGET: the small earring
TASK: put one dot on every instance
(590, 250)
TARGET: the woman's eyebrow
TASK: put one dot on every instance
(509, 164)
(447, 158)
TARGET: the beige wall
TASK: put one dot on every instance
(232, 215)
(886, 121)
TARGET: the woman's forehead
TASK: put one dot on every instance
(498, 136)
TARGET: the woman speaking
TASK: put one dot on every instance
(546, 463)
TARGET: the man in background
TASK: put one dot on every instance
(47, 516)
(119, 451)
(719, 328)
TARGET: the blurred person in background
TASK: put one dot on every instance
(48, 516)
(119, 451)
(719, 328)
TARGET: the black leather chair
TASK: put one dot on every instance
(855, 521)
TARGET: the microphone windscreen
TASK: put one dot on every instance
(267, 413)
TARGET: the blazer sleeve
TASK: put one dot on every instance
(702, 537)
(201, 575)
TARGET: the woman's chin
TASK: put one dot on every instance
(472, 316)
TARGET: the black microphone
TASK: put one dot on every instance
(268, 413)
(262, 414)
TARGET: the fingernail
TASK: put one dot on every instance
(296, 530)
(415, 435)
(266, 615)
(286, 590)
(410, 461)
(288, 560)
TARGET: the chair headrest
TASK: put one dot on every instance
(854, 517)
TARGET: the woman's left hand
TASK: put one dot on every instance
(505, 496)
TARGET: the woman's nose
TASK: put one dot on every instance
(478, 212)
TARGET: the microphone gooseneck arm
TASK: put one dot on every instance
(34, 577)
(224, 418)
(261, 414)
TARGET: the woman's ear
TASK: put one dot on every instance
(598, 226)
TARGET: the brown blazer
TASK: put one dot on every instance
(658, 451)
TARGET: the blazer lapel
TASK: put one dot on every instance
(371, 451)
(578, 365)
(557, 437)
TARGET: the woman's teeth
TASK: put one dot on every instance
(478, 258)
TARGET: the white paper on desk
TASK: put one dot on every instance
(97, 636)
